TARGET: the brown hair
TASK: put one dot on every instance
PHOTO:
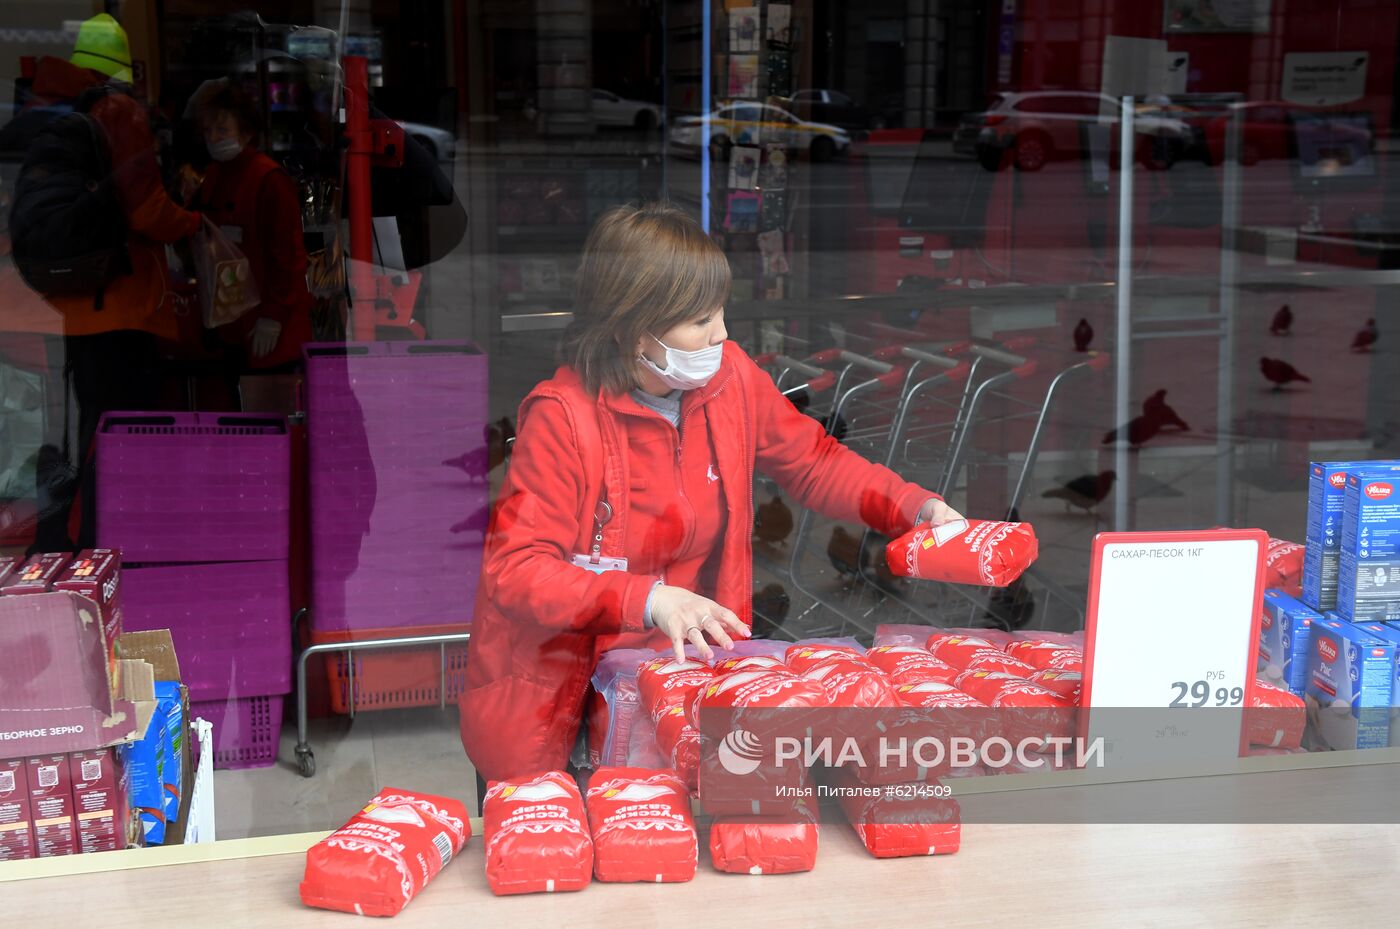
(231, 99)
(644, 270)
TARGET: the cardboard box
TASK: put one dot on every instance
(51, 803)
(57, 695)
(16, 824)
(1327, 482)
(1284, 632)
(35, 576)
(8, 564)
(97, 575)
(1351, 685)
(153, 653)
(1368, 582)
(100, 800)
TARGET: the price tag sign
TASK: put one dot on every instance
(1170, 643)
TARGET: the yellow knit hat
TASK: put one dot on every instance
(102, 46)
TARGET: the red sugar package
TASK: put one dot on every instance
(761, 690)
(994, 659)
(537, 838)
(1275, 718)
(1067, 684)
(386, 854)
(852, 684)
(900, 821)
(914, 670)
(886, 658)
(750, 663)
(1283, 567)
(934, 694)
(642, 828)
(665, 682)
(801, 658)
(679, 743)
(957, 649)
(1047, 656)
(964, 551)
(764, 844)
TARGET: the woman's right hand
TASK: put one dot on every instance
(688, 617)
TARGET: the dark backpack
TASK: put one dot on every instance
(68, 232)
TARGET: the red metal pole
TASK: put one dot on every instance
(361, 147)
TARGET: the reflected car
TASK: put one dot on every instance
(1038, 127)
(759, 124)
(611, 110)
(439, 143)
(1268, 133)
(834, 108)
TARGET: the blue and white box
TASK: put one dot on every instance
(1389, 633)
(1351, 685)
(1327, 484)
(1284, 631)
(1368, 581)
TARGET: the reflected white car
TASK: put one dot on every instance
(440, 143)
(760, 124)
(611, 110)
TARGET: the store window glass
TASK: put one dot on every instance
(430, 366)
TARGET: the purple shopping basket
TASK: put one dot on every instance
(230, 623)
(246, 730)
(194, 487)
(396, 436)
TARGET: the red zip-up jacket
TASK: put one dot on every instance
(541, 622)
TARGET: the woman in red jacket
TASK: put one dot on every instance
(254, 201)
(627, 514)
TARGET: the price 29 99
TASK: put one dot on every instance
(1200, 694)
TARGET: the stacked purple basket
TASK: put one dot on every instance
(199, 505)
(396, 435)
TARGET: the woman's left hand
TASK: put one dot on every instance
(937, 513)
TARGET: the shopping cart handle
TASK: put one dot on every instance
(800, 367)
(826, 356)
(879, 367)
(886, 352)
(999, 356)
(942, 361)
(894, 379)
(765, 359)
(1026, 370)
(821, 382)
(957, 348)
(1100, 361)
(1020, 343)
(958, 373)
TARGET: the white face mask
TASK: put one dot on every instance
(687, 370)
(224, 149)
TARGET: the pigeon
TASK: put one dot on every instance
(771, 604)
(1156, 408)
(500, 437)
(1281, 373)
(1283, 321)
(1085, 492)
(772, 522)
(1139, 430)
(844, 551)
(1366, 337)
(1083, 336)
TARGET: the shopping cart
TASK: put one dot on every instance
(915, 409)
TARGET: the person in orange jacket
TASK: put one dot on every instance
(111, 351)
(627, 515)
(255, 203)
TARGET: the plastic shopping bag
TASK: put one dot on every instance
(226, 286)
